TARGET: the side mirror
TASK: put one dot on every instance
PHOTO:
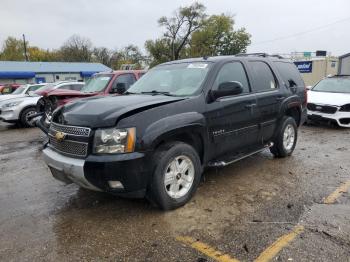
(31, 93)
(120, 88)
(308, 87)
(227, 89)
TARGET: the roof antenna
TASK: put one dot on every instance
(205, 57)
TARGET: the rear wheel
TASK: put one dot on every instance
(26, 119)
(286, 138)
(176, 176)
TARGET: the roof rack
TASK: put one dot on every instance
(260, 54)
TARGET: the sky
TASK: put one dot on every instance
(276, 26)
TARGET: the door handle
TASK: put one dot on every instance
(250, 105)
(280, 98)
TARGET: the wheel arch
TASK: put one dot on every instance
(187, 127)
(294, 111)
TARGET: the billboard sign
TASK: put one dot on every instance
(304, 66)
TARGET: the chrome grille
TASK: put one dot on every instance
(69, 147)
(71, 130)
(75, 141)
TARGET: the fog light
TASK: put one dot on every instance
(115, 184)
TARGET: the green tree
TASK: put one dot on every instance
(218, 37)
(37, 54)
(130, 54)
(178, 30)
(12, 50)
(159, 51)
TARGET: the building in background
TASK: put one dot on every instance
(40, 72)
(344, 64)
(314, 66)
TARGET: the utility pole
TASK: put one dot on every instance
(25, 47)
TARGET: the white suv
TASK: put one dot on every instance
(22, 91)
(329, 101)
(20, 108)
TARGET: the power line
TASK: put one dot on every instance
(301, 33)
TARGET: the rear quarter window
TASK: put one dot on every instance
(290, 74)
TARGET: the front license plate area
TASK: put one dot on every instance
(60, 175)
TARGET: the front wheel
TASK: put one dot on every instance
(286, 138)
(26, 117)
(176, 176)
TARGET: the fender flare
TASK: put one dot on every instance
(192, 123)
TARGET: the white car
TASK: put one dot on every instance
(22, 91)
(21, 109)
(329, 100)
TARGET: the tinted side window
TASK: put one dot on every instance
(76, 87)
(263, 78)
(128, 79)
(233, 71)
(33, 88)
(65, 87)
(289, 74)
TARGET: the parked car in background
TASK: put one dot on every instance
(8, 88)
(181, 117)
(329, 101)
(21, 109)
(101, 84)
(22, 91)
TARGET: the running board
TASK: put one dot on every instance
(222, 163)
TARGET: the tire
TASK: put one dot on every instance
(24, 117)
(177, 191)
(286, 138)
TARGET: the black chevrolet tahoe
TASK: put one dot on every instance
(156, 139)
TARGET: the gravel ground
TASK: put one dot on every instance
(239, 210)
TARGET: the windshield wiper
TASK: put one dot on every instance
(155, 92)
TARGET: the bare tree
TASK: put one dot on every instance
(179, 28)
(76, 49)
(102, 55)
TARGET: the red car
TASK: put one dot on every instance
(8, 88)
(100, 84)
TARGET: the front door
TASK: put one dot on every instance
(232, 120)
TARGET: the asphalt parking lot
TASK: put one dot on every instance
(261, 208)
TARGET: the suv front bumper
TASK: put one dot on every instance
(132, 170)
(339, 117)
(10, 114)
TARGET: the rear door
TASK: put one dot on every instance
(292, 79)
(232, 119)
(269, 97)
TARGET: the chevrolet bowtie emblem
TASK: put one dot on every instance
(60, 136)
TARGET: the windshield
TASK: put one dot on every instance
(176, 79)
(19, 91)
(96, 83)
(48, 86)
(333, 85)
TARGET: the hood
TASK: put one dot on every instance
(29, 100)
(7, 97)
(106, 111)
(328, 98)
(68, 93)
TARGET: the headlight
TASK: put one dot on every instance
(12, 104)
(345, 108)
(113, 141)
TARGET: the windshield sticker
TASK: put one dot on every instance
(197, 65)
(105, 78)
